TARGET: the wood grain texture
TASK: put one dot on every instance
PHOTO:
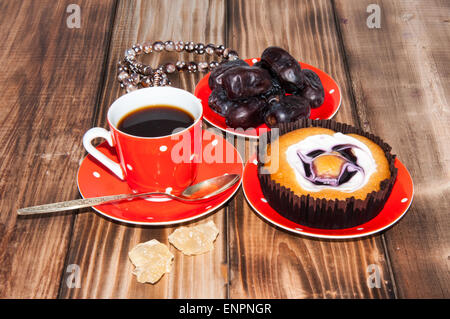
(400, 76)
(266, 262)
(100, 246)
(59, 82)
(50, 76)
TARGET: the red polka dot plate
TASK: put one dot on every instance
(219, 158)
(396, 206)
(327, 110)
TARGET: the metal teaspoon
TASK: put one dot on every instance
(200, 191)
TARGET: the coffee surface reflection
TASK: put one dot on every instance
(155, 120)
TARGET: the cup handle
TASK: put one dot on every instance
(94, 133)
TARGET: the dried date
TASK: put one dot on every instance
(283, 66)
(219, 102)
(288, 109)
(247, 114)
(246, 81)
(215, 78)
(313, 90)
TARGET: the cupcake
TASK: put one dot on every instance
(326, 174)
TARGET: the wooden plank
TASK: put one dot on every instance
(400, 76)
(50, 77)
(267, 262)
(100, 246)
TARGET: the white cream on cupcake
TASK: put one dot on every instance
(362, 168)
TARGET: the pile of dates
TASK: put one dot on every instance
(274, 90)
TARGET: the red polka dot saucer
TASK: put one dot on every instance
(396, 206)
(96, 180)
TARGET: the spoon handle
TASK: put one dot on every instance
(79, 203)
(187, 196)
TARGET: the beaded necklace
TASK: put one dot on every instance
(133, 74)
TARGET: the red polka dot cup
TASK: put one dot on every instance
(162, 164)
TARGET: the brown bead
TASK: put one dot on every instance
(139, 66)
(134, 78)
(122, 76)
(127, 81)
(189, 46)
(158, 46)
(213, 64)
(203, 66)
(164, 81)
(130, 55)
(210, 48)
(181, 66)
(179, 46)
(169, 67)
(199, 48)
(137, 48)
(147, 70)
(130, 87)
(161, 69)
(169, 46)
(146, 81)
(147, 47)
(192, 67)
(219, 50)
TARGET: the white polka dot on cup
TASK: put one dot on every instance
(263, 200)
(255, 60)
(168, 190)
(163, 148)
(404, 200)
(96, 174)
(331, 91)
(129, 167)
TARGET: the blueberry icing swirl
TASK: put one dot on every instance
(348, 162)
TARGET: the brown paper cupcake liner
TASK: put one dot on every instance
(323, 213)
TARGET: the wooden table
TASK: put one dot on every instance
(57, 82)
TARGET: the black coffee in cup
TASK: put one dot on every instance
(155, 120)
